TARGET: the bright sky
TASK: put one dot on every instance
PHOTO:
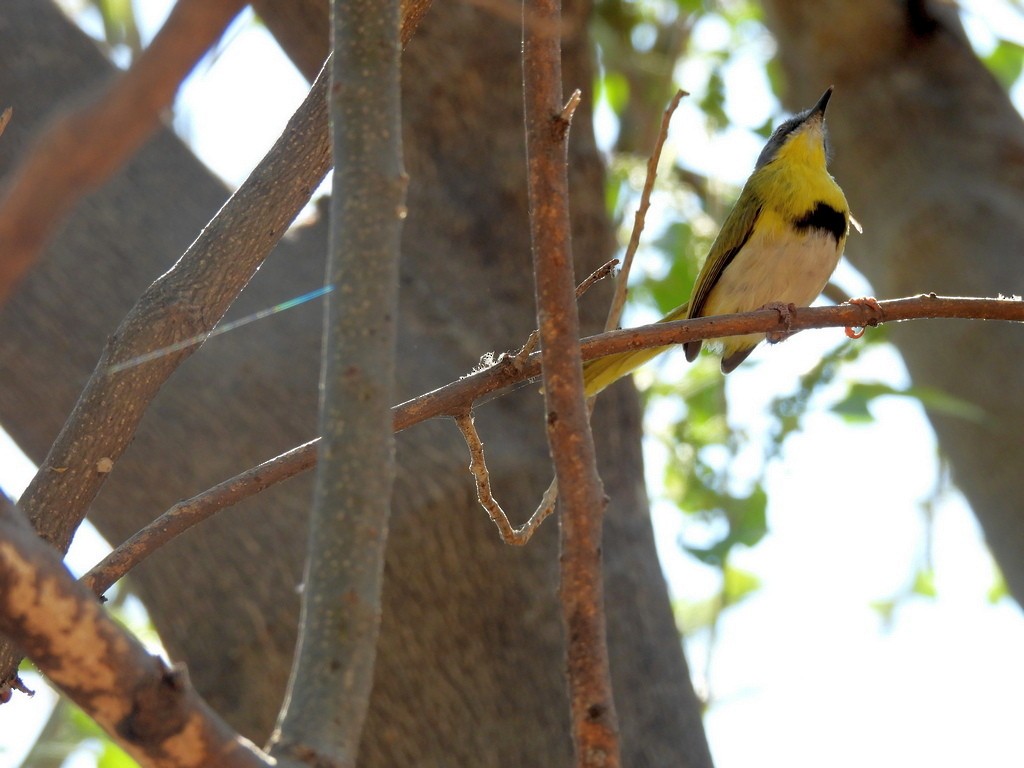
(805, 672)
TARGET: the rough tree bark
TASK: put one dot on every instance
(470, 665)
(930, 152)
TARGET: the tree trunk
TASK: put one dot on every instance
(470, 670)
(930, 152)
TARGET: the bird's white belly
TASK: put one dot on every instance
(791, 270)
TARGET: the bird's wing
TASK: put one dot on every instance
(735, 232)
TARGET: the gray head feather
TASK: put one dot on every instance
(778, 138)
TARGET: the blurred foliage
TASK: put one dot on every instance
(644, 48)
(119, 24)
(71, 736)
(854, 407)
(998, 591)
(1006, 61)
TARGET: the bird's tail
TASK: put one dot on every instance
(604, 371)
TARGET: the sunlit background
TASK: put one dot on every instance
(868, 627)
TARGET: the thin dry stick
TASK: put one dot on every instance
(619, 299)
(457, 397)
(597, 275)
(185, 514)
(83, 147)
(595, 728)
(478, 467)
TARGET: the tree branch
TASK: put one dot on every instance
(454, 399)
(185, 302)
(594, 722)
(619, 299)
(84, 146)
(149, 709)
(185, 514)
(332, 675)
(481, 477)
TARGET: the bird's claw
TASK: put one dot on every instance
(785, 317)
(856, 331)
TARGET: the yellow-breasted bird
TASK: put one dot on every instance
(779, 244)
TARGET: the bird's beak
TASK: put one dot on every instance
(819, 108)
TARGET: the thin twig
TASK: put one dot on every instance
(597, 275)
(619, 299)
(457, 397)
(595, 730)
(478, 467)
(190, 512)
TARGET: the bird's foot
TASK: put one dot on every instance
(871, 303)
(785, 317)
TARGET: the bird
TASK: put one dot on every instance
(778, 246)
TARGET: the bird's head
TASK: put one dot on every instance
(802, 139)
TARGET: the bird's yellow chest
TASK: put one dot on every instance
(777, 264)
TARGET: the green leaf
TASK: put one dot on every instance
(616, 191)
(695, 615)
(924, 583)
(998, 590)
(1006, 62)
(119, 24)
(738, 584)
(886, 609)
(713, 102)
(689, 7)
(776, 79)
(750, 523)
(714, 555)
(614, 88)
(745, 516)
(113, 756)
(678, 244)
(854, 407)
(942, 402)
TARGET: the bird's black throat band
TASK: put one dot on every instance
(825, 218)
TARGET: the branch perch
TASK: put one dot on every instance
(458, 397)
